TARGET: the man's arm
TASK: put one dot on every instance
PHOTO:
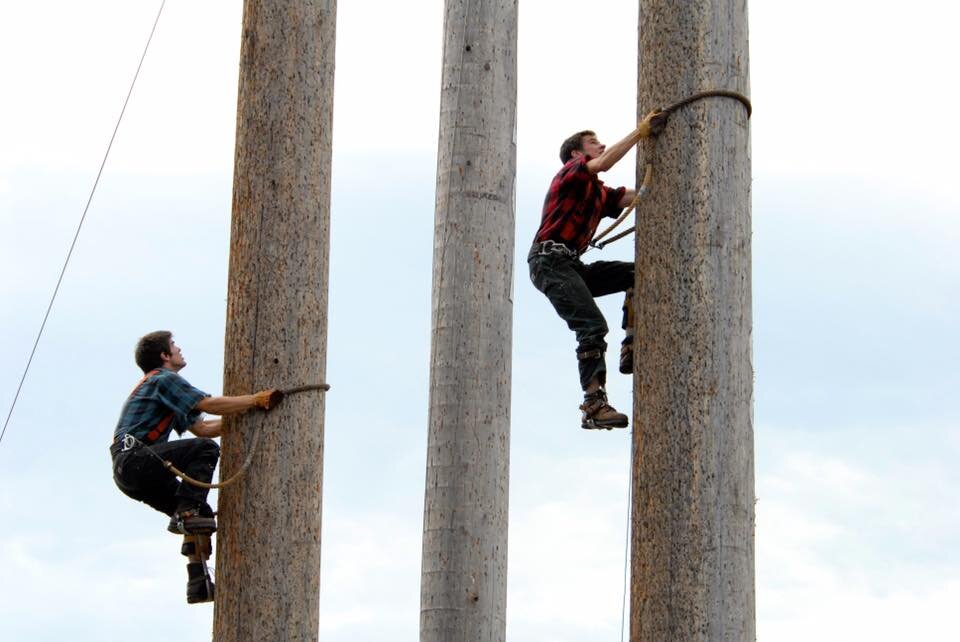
(627, 198)
(265, 399)
(653, 123)
(209, 428)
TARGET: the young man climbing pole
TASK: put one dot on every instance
(573, 207)
(163, 402)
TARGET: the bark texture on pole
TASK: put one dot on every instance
(268, 545)
(464, 572)
(693, 488)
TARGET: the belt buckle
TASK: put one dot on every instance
(552, 247)
(129, 442)
(558, 248)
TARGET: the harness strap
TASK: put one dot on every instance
(161, 427)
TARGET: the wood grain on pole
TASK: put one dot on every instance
(464, 566)
(692, 562)
(268, 545)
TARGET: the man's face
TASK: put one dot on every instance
(591, 147)
(174, 359)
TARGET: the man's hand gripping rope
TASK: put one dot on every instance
(652, 124)
(266, 400)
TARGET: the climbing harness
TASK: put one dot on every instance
(130, 442)
(597, 241)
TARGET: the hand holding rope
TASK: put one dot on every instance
(275, 398)
(644, 188)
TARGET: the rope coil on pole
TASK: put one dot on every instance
(644, 188)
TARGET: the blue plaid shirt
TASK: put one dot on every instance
(161, 395)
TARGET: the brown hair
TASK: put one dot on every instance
(150, 347)
(573, 144)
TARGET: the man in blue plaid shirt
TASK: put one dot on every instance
(164, 402)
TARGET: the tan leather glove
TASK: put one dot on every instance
(653, 123)
(268, 399)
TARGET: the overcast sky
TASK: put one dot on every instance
(856, 230)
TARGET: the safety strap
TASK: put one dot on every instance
(161, 427)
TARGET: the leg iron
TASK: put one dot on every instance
(200, 587)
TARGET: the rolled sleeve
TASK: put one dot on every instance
(612, 207)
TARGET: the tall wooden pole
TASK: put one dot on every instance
(268, 545)
(464, 573)
(693, 488)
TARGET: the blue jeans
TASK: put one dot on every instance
(571, 286)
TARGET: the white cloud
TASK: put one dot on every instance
(836, 560)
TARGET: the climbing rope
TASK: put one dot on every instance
(644, 188)
(249, 458)
(713, 93)
(83, 217)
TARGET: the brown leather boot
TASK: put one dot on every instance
(626, 358)
(600, 415)
(200, 587)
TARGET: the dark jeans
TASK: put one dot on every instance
(141, 476)
(571, 287)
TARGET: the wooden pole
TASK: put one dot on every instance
(268, 545)
(693, 488)
(464, 573)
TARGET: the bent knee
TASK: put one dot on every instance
(208, 447)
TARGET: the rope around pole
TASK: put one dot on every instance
(324, 387)
(713, 93)
(83, 217)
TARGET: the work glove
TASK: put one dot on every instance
(268, 399)
(653, 123)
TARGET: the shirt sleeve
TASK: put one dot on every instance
(176, 393)
(612, 207)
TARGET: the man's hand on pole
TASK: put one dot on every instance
(653, 123)
(268, 399)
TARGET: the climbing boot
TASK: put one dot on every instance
(626, 357)
(199, 585)
(191, 522)
(600, 415)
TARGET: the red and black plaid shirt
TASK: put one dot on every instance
(576, 202)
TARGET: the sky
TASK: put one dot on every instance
(856, 283)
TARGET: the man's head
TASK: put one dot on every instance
(584, 144)
(157, 350)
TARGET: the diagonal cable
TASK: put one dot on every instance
(80, 225)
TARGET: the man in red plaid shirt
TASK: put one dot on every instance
(576, 202)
